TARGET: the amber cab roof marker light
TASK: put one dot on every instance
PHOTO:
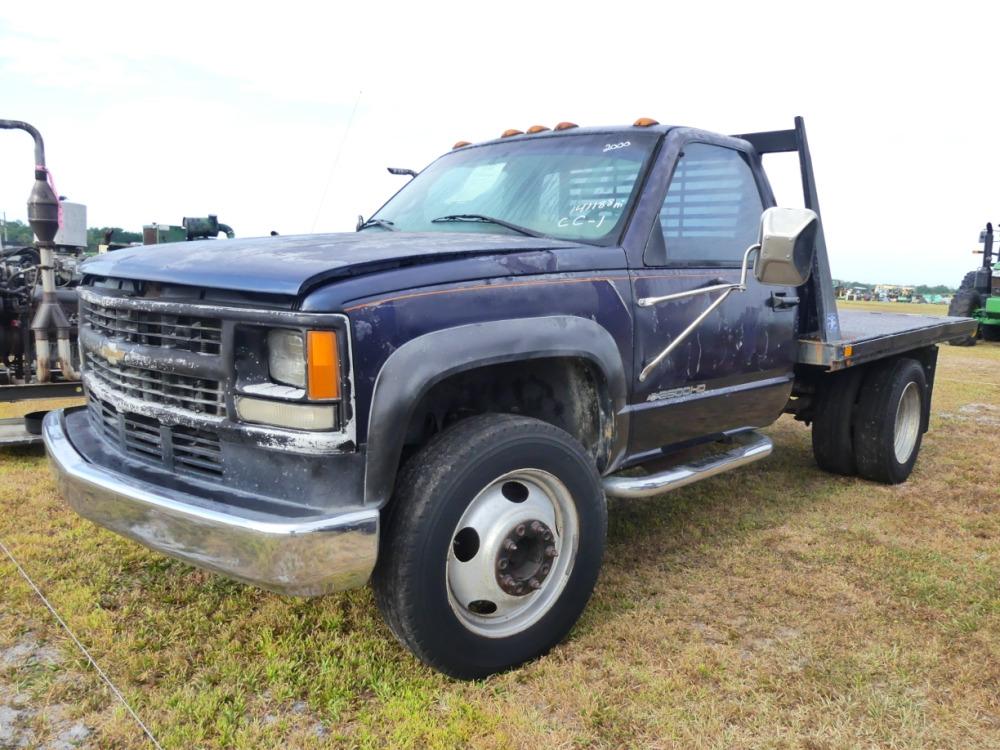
(566, 125)
(644, 122)
(460, 144)
(537, 129)
(511, 131)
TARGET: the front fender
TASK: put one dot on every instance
(415, 367)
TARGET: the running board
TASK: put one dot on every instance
(749, 447)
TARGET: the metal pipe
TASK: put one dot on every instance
(988, 246)
(749, 447)
(43, 368)
(650, 301)
(49, 316)
(726, 290)
(44, 218)
(33, 132)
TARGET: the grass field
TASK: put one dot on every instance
(772, 607)
(896, 307)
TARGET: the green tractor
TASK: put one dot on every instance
(979, 295)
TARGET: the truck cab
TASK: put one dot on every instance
(442, 401)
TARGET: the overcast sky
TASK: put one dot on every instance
(241, 110)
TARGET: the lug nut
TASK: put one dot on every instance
(550, 551)
(502, 563)
(547, 536)
(534, 584)
(520, 530)
(536, 527)
(545, 570)
(507, 582)
(508, 544)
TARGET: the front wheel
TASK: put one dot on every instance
(492, 545)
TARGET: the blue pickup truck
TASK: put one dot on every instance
(442, 401)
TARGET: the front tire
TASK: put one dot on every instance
(889, 421)
(492, 545)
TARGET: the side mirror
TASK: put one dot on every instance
(787, 246)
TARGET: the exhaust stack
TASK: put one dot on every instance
(44, 218)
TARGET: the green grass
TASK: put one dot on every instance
(774, 607)
(897, 307)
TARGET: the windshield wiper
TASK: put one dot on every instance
(488, 220)
(383, 223)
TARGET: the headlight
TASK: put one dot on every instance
(286, 357)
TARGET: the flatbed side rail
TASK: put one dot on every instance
(818, 313)
(888, 334)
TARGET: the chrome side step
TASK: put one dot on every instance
(748, 448)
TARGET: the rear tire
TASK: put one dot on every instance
(465, 579)
(990, 332)
(833, 422)
(889, 421)
(965, 302)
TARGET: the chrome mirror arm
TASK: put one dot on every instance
(726, 290)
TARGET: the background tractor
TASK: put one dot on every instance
(979, 295)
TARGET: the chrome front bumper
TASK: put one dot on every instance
(295, 556)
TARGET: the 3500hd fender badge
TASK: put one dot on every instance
(672, 393)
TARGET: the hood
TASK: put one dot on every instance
(291, 265)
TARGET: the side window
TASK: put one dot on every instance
(711, 211)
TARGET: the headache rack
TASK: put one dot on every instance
(827, 338)
(818, 317)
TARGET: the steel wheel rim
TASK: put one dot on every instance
(907, 429)
(518, 498)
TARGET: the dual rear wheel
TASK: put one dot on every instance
(870, 422)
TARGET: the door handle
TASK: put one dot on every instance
(781, 301)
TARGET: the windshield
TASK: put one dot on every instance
(569, 187)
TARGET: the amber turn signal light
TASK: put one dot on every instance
(511, 131)
(566, 125)
(537, 129)
(323, 356)
(460, 144)
(645, 122)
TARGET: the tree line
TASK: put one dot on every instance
(17, 233)
(922, 289)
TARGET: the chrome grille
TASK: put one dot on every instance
(200, 395)
(104, 418)
(186, 332)
(197, 451)
(179, 448)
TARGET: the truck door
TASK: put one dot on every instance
(734, 372)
